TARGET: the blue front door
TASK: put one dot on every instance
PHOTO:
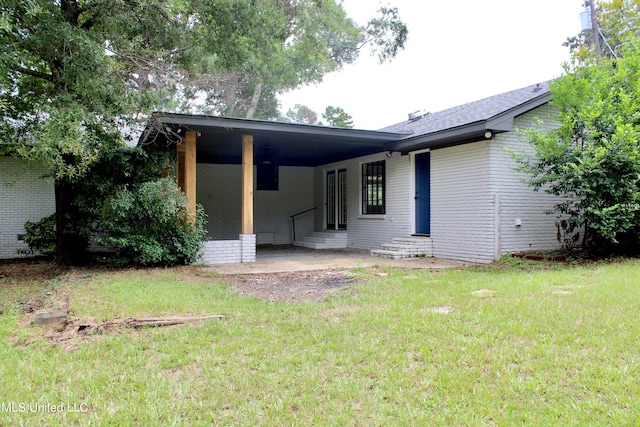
(423, 196)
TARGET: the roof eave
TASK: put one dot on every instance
(470, 132)
(441, 139)
(252, 125)
(514, 112)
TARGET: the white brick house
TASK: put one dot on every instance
(441, 184)
(24, 195)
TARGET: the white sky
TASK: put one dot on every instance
(457, 51)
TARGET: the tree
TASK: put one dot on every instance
(64, 98)
(614, 24)
(336, 116)
(76, 75)
(292, 43)
(593, 159)
(302, 114)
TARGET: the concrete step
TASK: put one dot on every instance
(419, 241)
(406, 247)
(386, 254)
(401, 245)
(323, 240)
(312, 239)
(383, 253)
(316, 245)
(329, 235)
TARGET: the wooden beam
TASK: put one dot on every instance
(247, 184)
(190, 171)
(186, 171)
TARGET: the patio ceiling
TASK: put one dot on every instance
(287, 144)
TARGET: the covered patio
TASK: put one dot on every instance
(252, 176)
(288, 258)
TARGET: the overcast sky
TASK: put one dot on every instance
(457, 52)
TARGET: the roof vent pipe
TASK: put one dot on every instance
(417, 114)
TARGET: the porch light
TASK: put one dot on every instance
(389, 154)
(488, 134)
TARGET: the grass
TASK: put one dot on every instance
(546, 346)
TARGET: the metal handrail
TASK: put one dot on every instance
(293, 219)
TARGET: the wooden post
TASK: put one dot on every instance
(247, 184)
(187, 170)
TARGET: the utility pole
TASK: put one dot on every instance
(594, 28)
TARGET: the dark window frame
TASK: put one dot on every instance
(373, 188)
(268, 178)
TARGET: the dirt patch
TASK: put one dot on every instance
(28, 285)
(17, 271)
(293, 286)
(75, 333)
(44, 286)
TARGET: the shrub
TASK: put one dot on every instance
(41, 236)
(592, 160)
(149, 225)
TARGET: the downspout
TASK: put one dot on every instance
(497, 220)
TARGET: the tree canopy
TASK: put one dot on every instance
(617, 22)
(301, 114)
(593, 159)
(75, 72)
(336, 116)
(293, 43)
(76, 76)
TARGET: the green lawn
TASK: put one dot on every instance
(540, 346)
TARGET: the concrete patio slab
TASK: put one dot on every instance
(280, 259)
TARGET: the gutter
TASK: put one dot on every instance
(252, 125)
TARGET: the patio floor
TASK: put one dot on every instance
(285, 258)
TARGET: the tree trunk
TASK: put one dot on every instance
(71, 249)
(230, 90)
(257, 92)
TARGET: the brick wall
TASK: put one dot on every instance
(516, 199)
(218, 189)
(370, 231)
(221, 252)
(229, 251)
(477, 195)
(24, 195)
(462, 210)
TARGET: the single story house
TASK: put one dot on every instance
(442, 184)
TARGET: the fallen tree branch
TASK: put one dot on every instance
(132, 322)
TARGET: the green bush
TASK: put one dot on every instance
(592, 160)
(149, 225)
(41, 236)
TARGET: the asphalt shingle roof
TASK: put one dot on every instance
(472, 112)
